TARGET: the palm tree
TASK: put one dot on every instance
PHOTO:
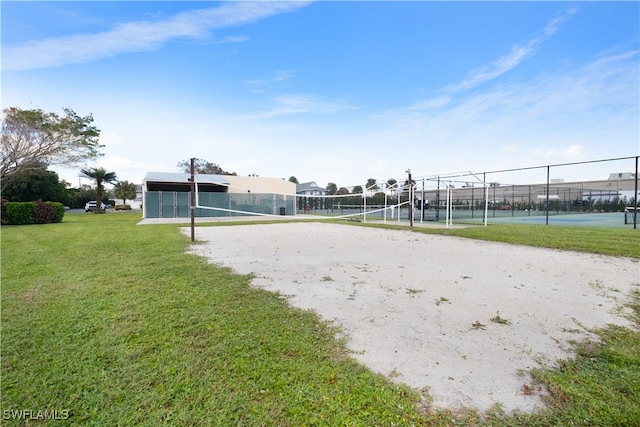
(100, 175)
(124, 190)
(372, 185)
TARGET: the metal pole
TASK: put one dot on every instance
(635, 210)
(193, 200)
(364, 198)
(398, 194)
(438, 202)
(547, 204)
(384, 213)
(485, 191)
(422, 203)
(493, 208)
(447, 217)
(410, 200)
(472, 205)
(486, 200)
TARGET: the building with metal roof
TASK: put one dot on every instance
(167, 195)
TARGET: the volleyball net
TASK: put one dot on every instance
(243, 202)
(423, 200)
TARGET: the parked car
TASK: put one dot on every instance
(91, 206)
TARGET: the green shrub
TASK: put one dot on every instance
(19, 213)
(3, 210)
(59, 211)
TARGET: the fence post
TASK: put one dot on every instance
(546, 209)
(635, 198)
(193, 200)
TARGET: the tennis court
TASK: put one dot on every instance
(605, 219)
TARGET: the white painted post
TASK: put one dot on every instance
(384, 214)
(364, 196)
(446, 216)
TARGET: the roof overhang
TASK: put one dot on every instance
(183, 178)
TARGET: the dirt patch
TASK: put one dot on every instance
(464, 319)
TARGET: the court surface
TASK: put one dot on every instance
(464, 319)
(606, 219)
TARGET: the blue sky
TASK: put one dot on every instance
(334, 91)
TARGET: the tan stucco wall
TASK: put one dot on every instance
(256, 184)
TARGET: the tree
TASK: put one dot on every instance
(293, 179)
(32, 138)
(35, 184)
(372, 184)
(204, 167)
(391, 187)
(100, 175)
(357, 189)
(332, 188)
(124, 190)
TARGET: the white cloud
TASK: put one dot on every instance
(429, 104)
(284, 75)
(229, 39)
(496, 69)
(246, 165)
(278, 77)
(138, 36)
(125, 165)
(509, 61)
(302, 103)
(125, 168)
(591, 112)
(571, 153)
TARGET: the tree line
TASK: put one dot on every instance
(33, 140)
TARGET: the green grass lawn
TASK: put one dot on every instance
(606, 241)
(110, 323)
